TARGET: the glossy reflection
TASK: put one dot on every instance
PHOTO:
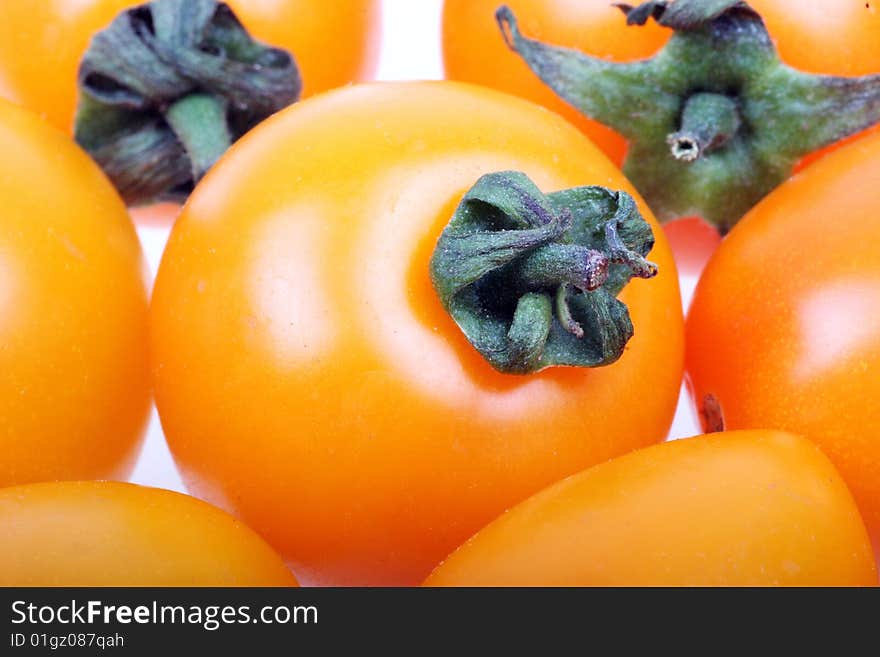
(840, 329)
(292, 303)
(8, 291)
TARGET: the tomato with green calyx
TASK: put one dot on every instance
(111, 534)
(376, 325)
(74, 370)
(164, 87)
(752, 508)
(715, 120)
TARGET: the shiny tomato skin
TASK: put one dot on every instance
(74, 388)
(306, 373)
(43, 41)
(784, 331)
(112, 534)
(756, 508)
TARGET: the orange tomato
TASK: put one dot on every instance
(42, 42)
(307, 375)
(740, 509)
(784, 331)
(106, 534)
(74, 389)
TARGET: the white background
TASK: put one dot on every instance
(410, 51)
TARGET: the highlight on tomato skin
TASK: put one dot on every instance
(784, 330)
(752, 508)
(74, 388)
(349, 420)
(112, 534)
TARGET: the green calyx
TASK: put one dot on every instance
(167, 87)
(715, 120)
(532, 279)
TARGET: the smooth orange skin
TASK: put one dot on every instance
(837, 37)
(74, 388)
(43, 41)
(785, 325)
(109, 534)
(739, 509)
(306, 373)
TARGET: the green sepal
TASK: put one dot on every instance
(167, 87)
(532, 279)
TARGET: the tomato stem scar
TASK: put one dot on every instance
(532, 279)
(167, 87)
(715, 120)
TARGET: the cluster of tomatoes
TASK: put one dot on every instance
(312, 385)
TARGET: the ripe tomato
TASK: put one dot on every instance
(106, 534)
(741, 509)
(74, 389)
(306, 373)
(42, 42)
(785, 327)
(822, 36)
